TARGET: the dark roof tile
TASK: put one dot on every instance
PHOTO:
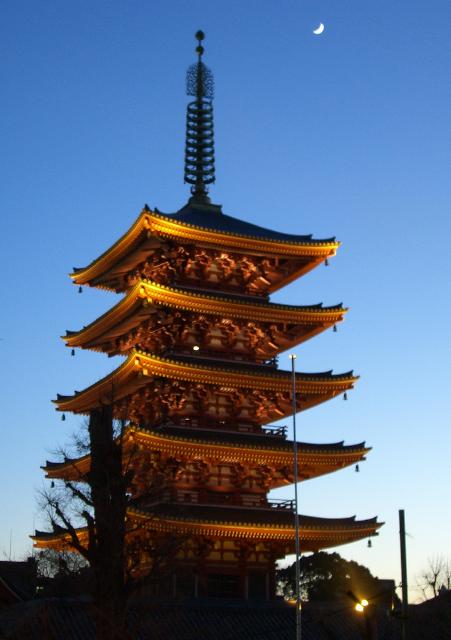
(263, 516)
(190, 620)
(211, 217)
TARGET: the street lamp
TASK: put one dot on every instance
(296, 514)
(360, 606)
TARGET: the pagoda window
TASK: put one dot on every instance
(223, 586)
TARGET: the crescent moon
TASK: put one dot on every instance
(319, 30)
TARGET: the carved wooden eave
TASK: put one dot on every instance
(314, 460)
(152, 228)
(295, 323)
(140, 370)
(315, 533)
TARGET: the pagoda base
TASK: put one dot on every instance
(214, 582)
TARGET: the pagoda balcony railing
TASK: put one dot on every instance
(278, 432)
(222, 356)
(272, 362)
(228, 426)
(269, 503)
(236, 291)
(287, 505)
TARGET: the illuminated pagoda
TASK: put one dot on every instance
(199, 386)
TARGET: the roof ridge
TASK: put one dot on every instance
(305, 239)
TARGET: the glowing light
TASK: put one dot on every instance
(196, 347)
(360, 606)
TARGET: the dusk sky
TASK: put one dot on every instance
(343, 134)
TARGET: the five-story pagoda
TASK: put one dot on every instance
(199, 386)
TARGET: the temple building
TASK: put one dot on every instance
(199, 387)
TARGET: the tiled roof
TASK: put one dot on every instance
(231, 514)
(211, 217)
(262, 441)
(317, 387)
(18, 578)
(231, 438)
(251, 368)
(192, 620)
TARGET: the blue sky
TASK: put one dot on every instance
(343, 134)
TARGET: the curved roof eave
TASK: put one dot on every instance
(186, 226)
(141, 365)
(178, 297)
(271, 518)
(243, 442)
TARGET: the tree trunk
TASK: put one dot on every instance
(109, 502)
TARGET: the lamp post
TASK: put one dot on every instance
(363, 607)
(296, 514)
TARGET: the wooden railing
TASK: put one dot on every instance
(287, 505)
(279, 432)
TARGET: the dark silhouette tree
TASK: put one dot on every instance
(90, 515)
(328, 577)
(435, 577)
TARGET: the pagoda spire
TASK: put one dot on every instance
(199, 149)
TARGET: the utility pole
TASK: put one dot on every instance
(405, 601)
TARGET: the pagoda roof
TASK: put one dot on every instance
(230, 446)
(134, 309)
(211, 217)
(239, 440)
(234, 522)
(254, 524)
(213, 513)
(205, 225)
(139, 367)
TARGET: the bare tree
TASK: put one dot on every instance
(436, 576)
(89, 514)
(51, 563)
